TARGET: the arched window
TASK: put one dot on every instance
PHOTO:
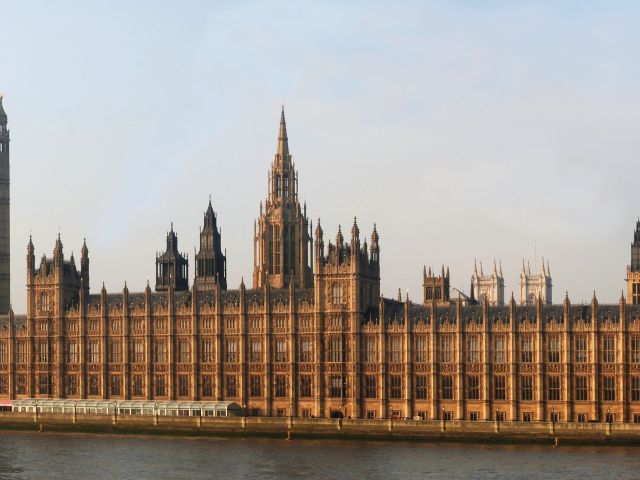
(336, 294)
(44, 302)
(278, 186)
(1, 146)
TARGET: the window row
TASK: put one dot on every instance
(336, 350)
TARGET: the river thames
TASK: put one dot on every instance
(70, 456)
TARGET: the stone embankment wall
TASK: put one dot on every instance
(458, 431)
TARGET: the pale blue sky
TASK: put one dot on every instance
(464, 129)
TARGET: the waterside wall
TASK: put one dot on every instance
(551, 433)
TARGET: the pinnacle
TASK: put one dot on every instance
(283, 141)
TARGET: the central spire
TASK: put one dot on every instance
(283, 141)
(281, 241)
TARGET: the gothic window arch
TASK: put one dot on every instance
(44, 302)
(337, 294)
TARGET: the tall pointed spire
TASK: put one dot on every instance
(3, 114)
(281, 243)
(283, 141)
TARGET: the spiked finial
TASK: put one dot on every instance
(3, 114)
(339, 237)
(57, 249)
(283, 141)
(548, 269)
(355, 233)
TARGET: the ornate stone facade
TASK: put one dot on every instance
(435, 287)
(323, 345)
(487, 287)
(282, 235)
(633, 270)
(533, 286)
(5, 285)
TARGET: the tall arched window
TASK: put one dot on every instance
(44, 302)
(336, 294)
(278, 186)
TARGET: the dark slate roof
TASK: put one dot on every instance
(472, 313)
(499, 314)
(136, 299)
(419, 312)
(230, 297)
(608, 312)
(20, 320)
(205, 298)
(393, 310)
(182, 298)
(255, 295)
(280, 295)
(553, 312)
(445, 314)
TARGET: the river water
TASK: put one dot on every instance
(71, 456)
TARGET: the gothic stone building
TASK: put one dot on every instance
(4, 213)
(313, 337)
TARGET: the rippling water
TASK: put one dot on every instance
(68, 456)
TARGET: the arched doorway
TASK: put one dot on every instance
(337, 414)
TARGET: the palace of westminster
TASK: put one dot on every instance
(313, 337)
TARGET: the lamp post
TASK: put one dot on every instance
(444, 421)
(553, 420)
(497, 420)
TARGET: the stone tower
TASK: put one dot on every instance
(172, 267)
(5, 288)
(489, 287)
(282, 238)
(347, 277)
(435, 287)
(53, 288)
(211, 263)
(633, 270)
(534, 286)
